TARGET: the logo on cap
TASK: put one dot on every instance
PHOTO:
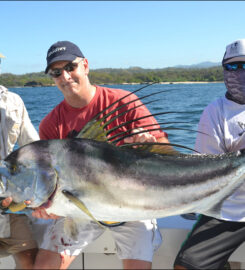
(57, 50)
(234, 48)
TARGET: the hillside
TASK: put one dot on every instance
(119, 76)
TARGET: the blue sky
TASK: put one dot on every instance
(119, 34)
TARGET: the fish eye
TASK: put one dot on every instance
(13, 169)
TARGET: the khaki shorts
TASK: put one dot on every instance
(134, 240)
(21, 237)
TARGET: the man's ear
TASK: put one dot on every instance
(86, 66)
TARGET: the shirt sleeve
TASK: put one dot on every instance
(210, 134)
(28, 133)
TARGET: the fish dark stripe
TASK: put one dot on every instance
(170, 181)
(193, 176)
(124, 161)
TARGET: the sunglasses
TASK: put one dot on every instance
(56, 72)
(234, 66)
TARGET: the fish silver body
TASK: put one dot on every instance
(119, 184)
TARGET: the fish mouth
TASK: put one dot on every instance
(49, 202)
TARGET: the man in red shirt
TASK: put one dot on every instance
(135, 241)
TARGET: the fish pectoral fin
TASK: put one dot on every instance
(80, 205)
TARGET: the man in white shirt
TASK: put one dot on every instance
(15, 126)
(212, 241)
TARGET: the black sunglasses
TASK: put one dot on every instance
(234, 66)
(56, 72)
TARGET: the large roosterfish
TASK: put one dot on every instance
(91, 177)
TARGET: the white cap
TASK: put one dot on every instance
(235, 52)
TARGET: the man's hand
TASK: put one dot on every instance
(40, 212)
(147, 137)
(140, 138)
(6, 202)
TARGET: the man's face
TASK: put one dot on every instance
(73, 76)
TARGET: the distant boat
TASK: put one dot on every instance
(33, 84)
(1, 56)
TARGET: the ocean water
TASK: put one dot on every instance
(185, 102)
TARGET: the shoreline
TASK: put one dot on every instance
(185, 82)
(188, 82)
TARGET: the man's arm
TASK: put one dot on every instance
(28, 133)
(210, 136)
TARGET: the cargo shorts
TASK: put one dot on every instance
(20, 238)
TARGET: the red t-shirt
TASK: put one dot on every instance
(64, 119)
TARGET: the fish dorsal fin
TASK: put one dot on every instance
(153, 147)
(95, 128)
(165, 148)
(125, 135)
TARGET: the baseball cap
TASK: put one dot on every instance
(235, 52)
(62, 51)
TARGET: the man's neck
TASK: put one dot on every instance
(83, 99)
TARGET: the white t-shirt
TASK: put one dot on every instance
(224, 121)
